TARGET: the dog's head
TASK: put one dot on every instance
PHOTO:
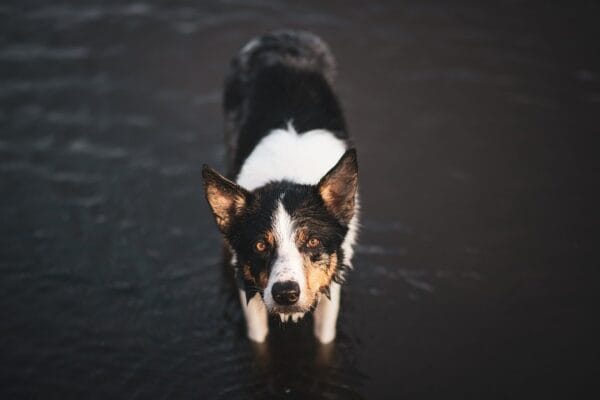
(286, 237)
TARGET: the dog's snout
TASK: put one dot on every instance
(286, 293)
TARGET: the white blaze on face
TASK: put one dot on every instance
(288, 265)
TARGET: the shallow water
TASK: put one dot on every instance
(475, 270)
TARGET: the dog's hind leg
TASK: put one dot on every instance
(326, 314)
(255, 312)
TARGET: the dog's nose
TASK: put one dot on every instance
(286, 293)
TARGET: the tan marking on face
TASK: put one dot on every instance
(262, 277)
(301, 237)
(248, 274)
(269, 238)
(319, 273)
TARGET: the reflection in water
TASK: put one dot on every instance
(287, 364)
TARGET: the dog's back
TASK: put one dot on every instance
(279, 79)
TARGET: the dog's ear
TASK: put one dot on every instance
(338, 187)
(226, 199)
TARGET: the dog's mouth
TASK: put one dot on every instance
(292, 312)
(288, 310)
(295, 317)
(288, 313)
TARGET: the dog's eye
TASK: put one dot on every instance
(260, 246)
(313, 243)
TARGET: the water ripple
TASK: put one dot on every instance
(82, 14)
(372, 249)
(82, 146)
(55, 176)
(29, 52)
(98, 83)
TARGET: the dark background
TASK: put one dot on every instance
(475, 273)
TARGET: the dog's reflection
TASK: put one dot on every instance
(281, 349)
(293, 364)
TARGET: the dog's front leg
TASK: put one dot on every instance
(326, 315)
(255, 312)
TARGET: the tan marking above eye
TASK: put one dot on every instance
(302, 236)
(270, 238)
(313, 243)
(260, 246)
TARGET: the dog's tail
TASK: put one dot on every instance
(300, 49)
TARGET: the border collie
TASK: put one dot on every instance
(288, 208)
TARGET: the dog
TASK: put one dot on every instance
(288, 208)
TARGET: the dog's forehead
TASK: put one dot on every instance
(295, 198)
(258, 216)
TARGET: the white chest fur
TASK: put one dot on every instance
(286, 155)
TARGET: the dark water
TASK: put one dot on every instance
(475, 274)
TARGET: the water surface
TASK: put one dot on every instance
(475, 270)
